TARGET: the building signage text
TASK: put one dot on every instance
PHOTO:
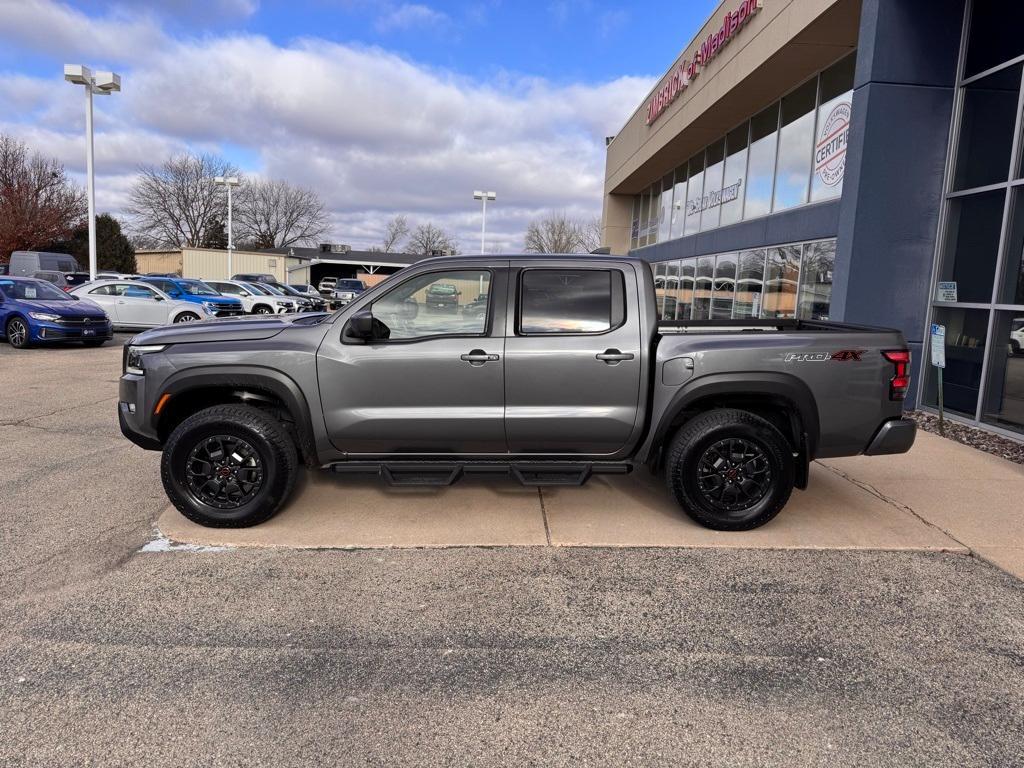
(713, 198)
(830, 151)
(681, 77)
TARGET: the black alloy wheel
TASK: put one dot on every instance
(17, 333)
(730, 470)
(224, 471)
(733, 474)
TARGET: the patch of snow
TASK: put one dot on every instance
(163, 544)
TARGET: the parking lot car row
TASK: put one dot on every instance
(35, 310)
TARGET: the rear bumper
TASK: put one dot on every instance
(894, 436)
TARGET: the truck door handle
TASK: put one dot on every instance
(614, 356)
(478, 357)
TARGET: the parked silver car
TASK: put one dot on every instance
(131, 304)
(254, 297)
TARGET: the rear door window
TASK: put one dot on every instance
(570, 301)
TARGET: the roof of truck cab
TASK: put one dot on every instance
(490, 258)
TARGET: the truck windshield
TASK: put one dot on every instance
(197, 288)
(351, 285)
(32, 290)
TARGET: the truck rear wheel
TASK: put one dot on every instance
(229, 466)
(730, 470)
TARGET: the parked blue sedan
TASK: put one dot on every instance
(36, 312)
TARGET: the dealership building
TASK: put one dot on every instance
(855, 160)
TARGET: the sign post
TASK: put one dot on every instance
(938, 356)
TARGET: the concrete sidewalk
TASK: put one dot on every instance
(940, 496)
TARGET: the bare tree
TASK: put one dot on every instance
(38, 203)
(396, 230)
(590, 234)
(176, 203)
(553, 233)
(427, 239)
(271, 213)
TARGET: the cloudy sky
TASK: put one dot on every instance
(381, 107)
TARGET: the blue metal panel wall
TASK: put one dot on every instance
(888, 220)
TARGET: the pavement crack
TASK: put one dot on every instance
(894, 503)
(24, 422)
(544, 515)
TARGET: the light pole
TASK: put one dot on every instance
(103, 84)
(484, 196)
(229, 182)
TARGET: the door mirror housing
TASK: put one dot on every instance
(157, 297)
(360, 325)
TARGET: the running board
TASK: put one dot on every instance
(445, 473)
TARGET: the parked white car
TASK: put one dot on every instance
(130, 304)
(327, 285)
(1017, 336)
(254, 298)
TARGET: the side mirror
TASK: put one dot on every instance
(158, 297)
(76, 298)
(360, 325)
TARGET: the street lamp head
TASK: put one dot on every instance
(107, 82)
(481, 195)
(226, 180)
(77, 74)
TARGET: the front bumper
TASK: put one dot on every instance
(42, 331)
(893, 436)
(229, 312)
(131, 412)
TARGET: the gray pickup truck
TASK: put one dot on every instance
(551, 369)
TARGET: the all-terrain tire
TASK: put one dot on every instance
(737, 457)
(267, 447)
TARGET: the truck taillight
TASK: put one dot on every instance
(900, 382)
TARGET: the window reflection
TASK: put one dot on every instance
(793, 170)
(735, 172)
(724, 286)
(819, 260)
(749, 283)
(965, 351)
(711, 201)
(761, 168)
(684, 308)
(703, 282)
(986, 129)
(1004, 402)
(694, 193)
(665, 214)
(833, 129)
(568, 301)
(678, 202)
(436, 304)
(780, 282)
(972, 242)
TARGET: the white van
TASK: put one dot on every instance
(27, 263)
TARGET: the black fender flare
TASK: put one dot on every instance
(249, 378)
(782, 386)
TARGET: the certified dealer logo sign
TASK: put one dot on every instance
(830, 151)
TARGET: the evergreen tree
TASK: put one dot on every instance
(114, 251)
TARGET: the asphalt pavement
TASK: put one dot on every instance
(110, 655)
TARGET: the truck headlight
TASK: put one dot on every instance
(210, 307)
(133, 357)
(46, 316)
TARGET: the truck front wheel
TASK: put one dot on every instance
(730, 470)
(229, 466)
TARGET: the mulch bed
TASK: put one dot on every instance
(1011, 450)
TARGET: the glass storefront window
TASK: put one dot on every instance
(660, 270)
(780, 282)
(711, 201)
(694, 193)
(965, 354)
(796, 137)
(665, 217)
(735, 173)
(645, 203)
(831, 134)
(819, 260)
(679, 202)
(985, 138)
(1011, 290)
(761, 168)
(972, 242)
(994, 36)
(724, 286)
(687, 271)
(749, 283)
(703, 281)
(634, 230)
(671, 289)
(656, 213)
(1004, 399)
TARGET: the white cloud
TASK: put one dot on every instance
(373, 133)
(410, 16)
